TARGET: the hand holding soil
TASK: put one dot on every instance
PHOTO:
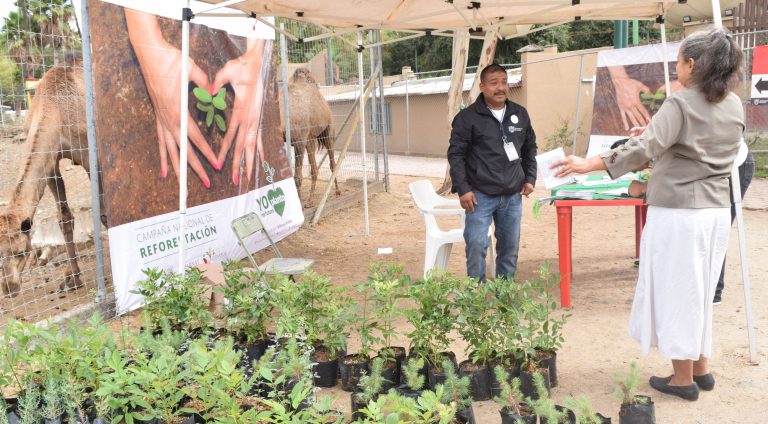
(160, 64)
(244, 74)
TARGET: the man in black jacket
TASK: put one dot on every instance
(492, 155)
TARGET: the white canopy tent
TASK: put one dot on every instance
(446, 18)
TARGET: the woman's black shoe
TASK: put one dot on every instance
(689, 392)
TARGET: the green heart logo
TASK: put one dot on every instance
(276, 198)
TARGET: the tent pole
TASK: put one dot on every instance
(663, 31)
(743, 253)
(361, 117)
(374, 111)
(183, 130)
(286, 109)
(384, 151)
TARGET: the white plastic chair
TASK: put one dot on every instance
(439, 242)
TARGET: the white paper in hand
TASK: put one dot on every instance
(544, 161)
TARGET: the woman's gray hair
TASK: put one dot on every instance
(717, 61)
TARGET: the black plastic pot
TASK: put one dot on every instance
(479, 379)
(513, 371)
(641, 412)
(549, 360)
(254, 351)
(356, 407)
(603, 419)
(508, 417)
(390, 373)
(435, 373)
(11, 410)
(465, 416)
(406, 391)
(570, 417)
(398, 354)
(351, 368)
(325, 371)
(526, 382)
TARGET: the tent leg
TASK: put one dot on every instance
(183, 132)
(736, 197)
(360, 78)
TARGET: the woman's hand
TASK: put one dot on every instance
(160, 65)
(244, 75)
(628, 99)
(578, 165)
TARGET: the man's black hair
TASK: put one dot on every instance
(493, 67)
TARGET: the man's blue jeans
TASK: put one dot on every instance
(506, 212)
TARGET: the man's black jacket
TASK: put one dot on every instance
(476, 152)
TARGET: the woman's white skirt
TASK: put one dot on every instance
(681, 254)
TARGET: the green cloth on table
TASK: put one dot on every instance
(595, 189)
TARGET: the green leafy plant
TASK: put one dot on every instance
(544, 407)
(550, 337)
(653, 101)
(364, 323)
(387, 283)
(289, 300)
(249, 305)
(475, 320)
(432, 316)
(327, 312)
(118, 388)
(395, 409)
(510, 398)
(175, 297)
(159, 378)
(413, 378)
(212, 106)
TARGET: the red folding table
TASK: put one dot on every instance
(565, 231)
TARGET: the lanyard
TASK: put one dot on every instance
(501, 122)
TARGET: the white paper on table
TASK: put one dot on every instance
(544, 161)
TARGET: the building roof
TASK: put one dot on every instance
(421, 87)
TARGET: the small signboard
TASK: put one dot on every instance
(760, 74)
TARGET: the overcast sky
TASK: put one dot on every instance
(6, 7)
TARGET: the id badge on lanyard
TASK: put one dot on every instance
(509, 146)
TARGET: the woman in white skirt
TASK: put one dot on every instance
(694, 139)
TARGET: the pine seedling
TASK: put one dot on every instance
(371, 383)
(544, 407)
(29, 406)
(413, 379)
(456, 388)
(627, 385)
(510, 396)
(583, 407)
(53, 398)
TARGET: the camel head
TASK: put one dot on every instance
(15, 244)
(303, 75)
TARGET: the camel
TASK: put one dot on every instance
(310, 120)
(55, 130)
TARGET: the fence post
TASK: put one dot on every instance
(286, 109)
(101, 292)
(381, 99)
(578, 103)
(374, 124)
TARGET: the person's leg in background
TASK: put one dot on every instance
(746, 171)
(507, 219)
(476, 226)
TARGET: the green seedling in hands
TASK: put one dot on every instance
(210, 104)
(653, 101)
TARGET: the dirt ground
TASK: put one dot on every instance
(596, 344)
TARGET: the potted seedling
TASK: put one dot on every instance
(248, 307)
(534, 314)
(117, 385)
(368, 388)
(323, 413)
(474, 322)
(352, 366)
(584, 413)
(414, 380)
(432, 317)
(212, 106)
(387, 283)
(53, 400)
(176, 297)
(292, 363)
(513, 409)
(159, 378)
(545, 408)
(550, 338)
(635, 409)
(457, 392)
(508, 301)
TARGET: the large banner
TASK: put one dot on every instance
(237, 163)
(629, 89)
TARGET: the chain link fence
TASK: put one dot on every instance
(45, 197)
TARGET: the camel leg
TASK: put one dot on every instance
(333, 167)
(311, 151)
(298, 155)
(67, 224)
